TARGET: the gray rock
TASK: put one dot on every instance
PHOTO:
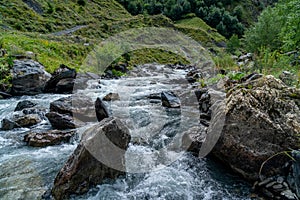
(48, 138)
(8, 125)
(61, 121)
(101, 110)
(170, 100)
(99, 156)
(24, 104)
(262, 118)
(29, 77)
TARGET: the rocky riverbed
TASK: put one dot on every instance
(54, 145)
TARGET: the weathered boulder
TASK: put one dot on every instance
(65, 86)
(111, 97)
(61, 121)
(29, 77)
(48, 138)
(28, 120)
(63, 72)
(99, 156)
(24, 104)
(262, 118)
(101, 110)
(170, 100)
(79, 106)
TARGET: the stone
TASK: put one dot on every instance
(61, 121)
(5, 95)
(193, 139)
(28, 77)
(24, 104)
(63, 72)
(48, 138)
(101, 110)
(7, 125)
(79, 106)
(262, 118)
(111, 97)
(100, 155)
(65, 86)
(28, 120)
(170, 100)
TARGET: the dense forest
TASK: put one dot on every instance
(225, 15)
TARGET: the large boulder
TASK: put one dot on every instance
(262, 118)
(64, 76)
(29, 77)
(48, 138)
(61, 121)
(79, 106)
(99, 156)
(28, 120)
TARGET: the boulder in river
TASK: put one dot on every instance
(28, 120)
(170, 100)
(101, 110)
(61, 74)
(61, 121)
(48, 138)
(29, 77)
(99, 156)
(24, 104)
(262, 118)
(78, 105)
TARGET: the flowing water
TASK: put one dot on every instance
(157, 167)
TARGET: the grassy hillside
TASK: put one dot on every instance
(64, 32)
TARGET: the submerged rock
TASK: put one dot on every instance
(99, 156)
(49, 138)
(29, 77)
(24, 104)
(170, 100)
(111, 97)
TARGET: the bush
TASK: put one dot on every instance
(81, 2)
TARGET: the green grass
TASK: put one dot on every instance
(197, 29)
(51, 53)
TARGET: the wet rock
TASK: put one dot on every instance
(61, 121)
(24, 104)
(48, 138)
(155, 96)
(101, 110)
(111, 97)
(99, 156)
(29, 77)
(262, 118)
(28, 120)
(193, 139)
(7, 125)
(79, 106)
(170, 100)
(63, 72)
(65, 86)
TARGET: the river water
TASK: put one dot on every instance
(157, 167)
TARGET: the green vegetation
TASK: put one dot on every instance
(275, 38)
(227, 16)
